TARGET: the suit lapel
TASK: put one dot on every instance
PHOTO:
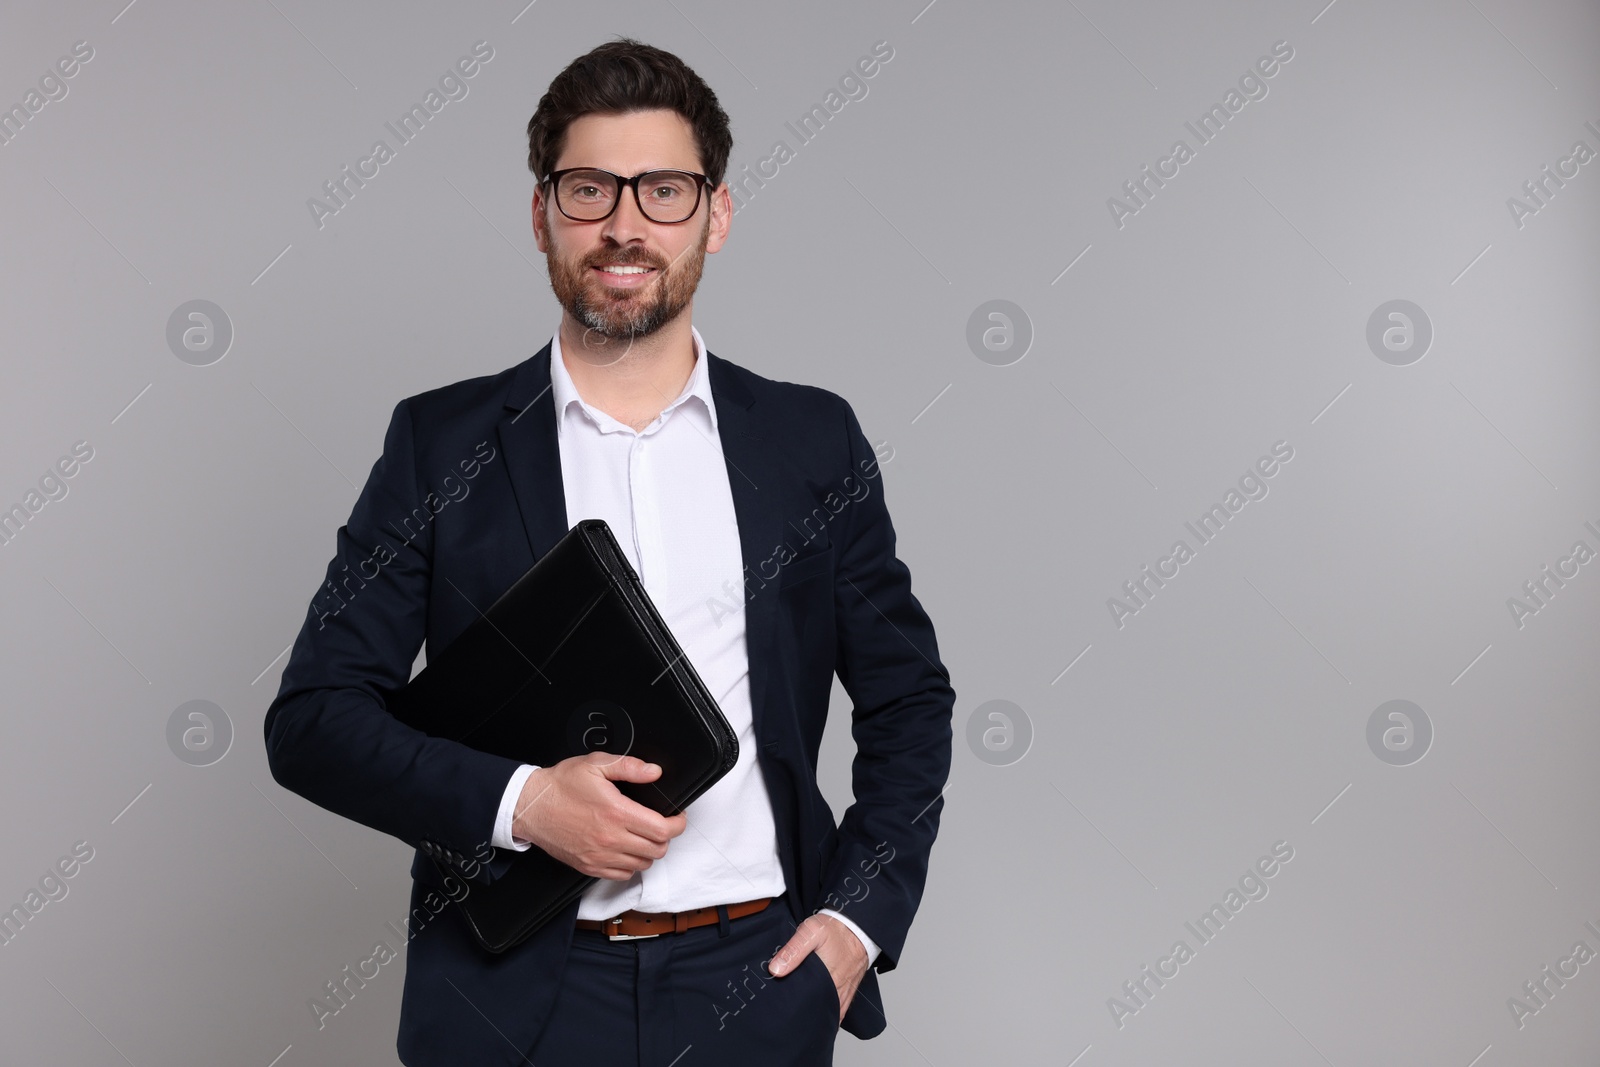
(533, 455)
(755, 476)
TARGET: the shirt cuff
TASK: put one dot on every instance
(866, 942)
(508, 811)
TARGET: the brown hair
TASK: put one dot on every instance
(621, 76)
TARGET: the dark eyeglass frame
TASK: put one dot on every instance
(555, 176)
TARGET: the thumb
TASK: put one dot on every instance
(630, 769)
(797, 948)
(785, 959)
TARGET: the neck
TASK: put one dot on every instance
(630, 380)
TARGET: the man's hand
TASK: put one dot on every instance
(836, 945)
(573, 812)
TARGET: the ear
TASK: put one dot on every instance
(721, 218)
(539, 232)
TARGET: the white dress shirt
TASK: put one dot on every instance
(664, 492)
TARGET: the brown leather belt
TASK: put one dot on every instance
(635, 924)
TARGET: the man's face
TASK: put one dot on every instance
(628, 306)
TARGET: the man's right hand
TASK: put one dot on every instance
(572, 811)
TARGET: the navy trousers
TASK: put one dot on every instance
(702, 998)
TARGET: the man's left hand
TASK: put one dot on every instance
(840, 951)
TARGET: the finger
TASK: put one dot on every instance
(640, 820)
(637, 846)
(798, 947)
(788, 957)
(628, 769)
(625, 862)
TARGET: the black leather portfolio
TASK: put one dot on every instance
(573, 658)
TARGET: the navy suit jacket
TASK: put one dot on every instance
(467, 494)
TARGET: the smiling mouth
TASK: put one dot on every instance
(623, 276)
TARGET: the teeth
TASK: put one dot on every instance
(625, 270)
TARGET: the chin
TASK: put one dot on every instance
(617, 331)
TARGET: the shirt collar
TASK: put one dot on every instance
(565, 392)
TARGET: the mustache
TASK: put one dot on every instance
(623, 259)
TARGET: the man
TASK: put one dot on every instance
(753, 512)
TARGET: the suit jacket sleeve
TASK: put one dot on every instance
(328, 735)
(888, 662)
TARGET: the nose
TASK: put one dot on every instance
(627, 223)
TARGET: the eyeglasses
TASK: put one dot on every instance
(588, 194)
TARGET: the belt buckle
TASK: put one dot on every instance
(625, 937)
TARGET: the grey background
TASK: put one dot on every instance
(1229, 314)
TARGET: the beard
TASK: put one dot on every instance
(626, 314)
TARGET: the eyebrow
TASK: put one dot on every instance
(608, 170)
